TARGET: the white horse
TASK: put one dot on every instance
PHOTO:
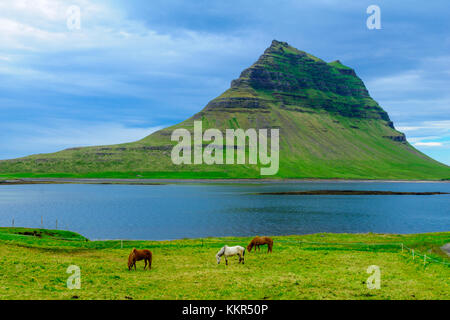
(231, 251)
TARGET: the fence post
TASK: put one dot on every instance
(424, 259)
(121, 244)
(413, 253)
(56, 224)
(402, 247)
(13, 222)
(42, 222)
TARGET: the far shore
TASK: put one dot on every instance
(138, 181)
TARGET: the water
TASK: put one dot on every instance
(200, 210)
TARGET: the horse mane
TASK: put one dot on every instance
(131, 258)
(221, 251)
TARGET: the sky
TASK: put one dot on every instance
(133, 67)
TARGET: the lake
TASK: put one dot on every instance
(157, 212)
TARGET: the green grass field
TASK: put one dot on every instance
(33, 266)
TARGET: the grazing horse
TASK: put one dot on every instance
(231, 251)
(137, 255)
(259, 241)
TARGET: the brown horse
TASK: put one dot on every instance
(259, 241)
(137, 255)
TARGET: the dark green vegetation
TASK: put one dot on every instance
(329, 125)
(319, 266)
(351, 192)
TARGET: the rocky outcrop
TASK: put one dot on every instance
(237, 103)
(299, 81)
(399, 138)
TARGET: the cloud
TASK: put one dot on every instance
(64, 134)
(418, 101)
(429, 135)
(428, 144)
(83, 134)
(442, 126)
(111, 54)
(416, 94)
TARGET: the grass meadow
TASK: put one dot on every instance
(33, 265)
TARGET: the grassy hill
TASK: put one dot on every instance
(34, 267)
(329, 126)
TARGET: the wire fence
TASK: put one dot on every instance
(398, 245)
(124, 243)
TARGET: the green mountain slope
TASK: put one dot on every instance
(329, 126)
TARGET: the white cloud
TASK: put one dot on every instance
(41, 26)
(109, 55)
(442, 126)
(420, 139)
(405, 81)
(418, 94)
(85, 134)
(428, 144)
(62, 134)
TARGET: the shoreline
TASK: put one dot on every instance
(350, 193)
(49, 233)
(119, 181)
(31, 232)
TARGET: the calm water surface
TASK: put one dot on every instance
(201, 210)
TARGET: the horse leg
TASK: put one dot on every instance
(226, 261)
(145, 263)
(135, 266)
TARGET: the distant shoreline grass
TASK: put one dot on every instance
(13, 180)
(202, 175)
(316, 266)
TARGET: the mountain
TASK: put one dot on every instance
(329, 127)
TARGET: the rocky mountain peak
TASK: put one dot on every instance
(294, 79)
